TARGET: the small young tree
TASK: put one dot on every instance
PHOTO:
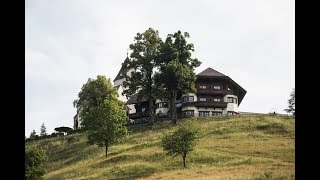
(35, 159)
(33, 134)
(103, 115)
(292, 104)
(43, 130)
(182, 140)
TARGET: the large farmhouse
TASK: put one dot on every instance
(217, 94)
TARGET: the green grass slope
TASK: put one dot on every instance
(245, 147)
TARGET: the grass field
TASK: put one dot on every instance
(245, 147)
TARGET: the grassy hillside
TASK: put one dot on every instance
(248, 147)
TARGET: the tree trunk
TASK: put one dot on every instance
(151, 112)
(173, 108)
(106, 150)
(184, 160)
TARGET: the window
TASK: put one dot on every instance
(230, 100)
(184, 99)
(162, 105)
(188, 113)
(231, 113)
(216, 100)
(202, 87)
(235, 100)
(202, 99)
(216, 113)
(216, 87)
(187, 99)
(203, 113)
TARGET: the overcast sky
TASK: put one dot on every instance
(69, 41)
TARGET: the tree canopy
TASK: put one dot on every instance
(63, 129)
(177, 68)
(182, 140)
(33, 134)
(35, 159)
(143, 60)
(103, 115)
(292, 104)
(161, 70)
(43, 130)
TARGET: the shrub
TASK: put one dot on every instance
(72, 139)
(35, 159)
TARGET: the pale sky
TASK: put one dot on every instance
(69, 41)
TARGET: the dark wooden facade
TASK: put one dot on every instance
(211, 90)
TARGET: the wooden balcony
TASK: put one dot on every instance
(205, 104)
(214, 91)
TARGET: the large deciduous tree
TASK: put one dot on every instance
(103, 115)
(177, 68)
(143, 58)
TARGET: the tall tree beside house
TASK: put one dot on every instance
(43, 130)
(292, 104)
(145, 51)
(177, 68)
(103, 115)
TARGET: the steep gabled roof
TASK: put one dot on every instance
(121, 74)
(134, 99)
(210, 72)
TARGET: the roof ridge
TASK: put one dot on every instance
(210, 72)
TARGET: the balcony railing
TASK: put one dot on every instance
(205, 104)
(214, 91)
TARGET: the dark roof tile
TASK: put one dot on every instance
(121, 74)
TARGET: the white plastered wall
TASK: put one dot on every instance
(230, 106)
(162, 110)
(121, 97)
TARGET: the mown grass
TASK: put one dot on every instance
(249, 147)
